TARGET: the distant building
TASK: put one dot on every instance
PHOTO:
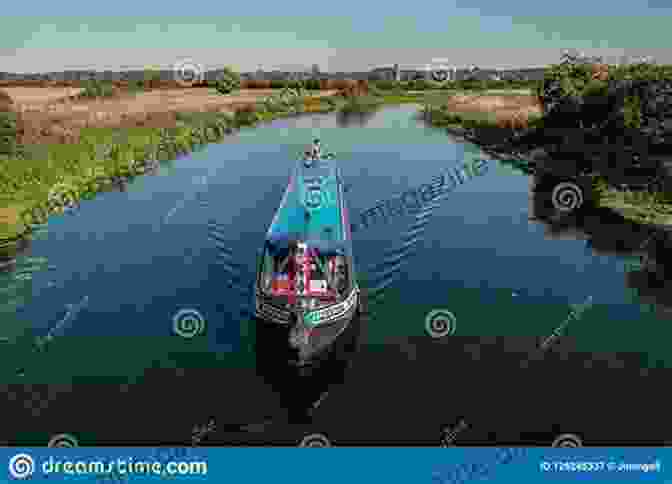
(383, 74)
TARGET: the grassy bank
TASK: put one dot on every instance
(104, 156)
(640, 207)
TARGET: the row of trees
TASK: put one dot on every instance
(604, 118)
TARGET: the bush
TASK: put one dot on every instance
(93, 89)
(246, 115)
(386, 85)
(228, 81)
(7, 133)
(313, 84)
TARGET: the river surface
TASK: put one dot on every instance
(187, 238)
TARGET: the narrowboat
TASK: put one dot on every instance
(306, 292)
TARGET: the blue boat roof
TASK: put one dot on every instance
(312, 210)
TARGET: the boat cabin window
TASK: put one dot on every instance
(304, 273)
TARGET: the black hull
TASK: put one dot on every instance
(302, 387)
(273, 341)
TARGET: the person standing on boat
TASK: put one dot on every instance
(317, 149)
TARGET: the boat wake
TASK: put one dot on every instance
(239, 278)
(384, 274)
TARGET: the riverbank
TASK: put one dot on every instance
(490, 121)
(96, 151)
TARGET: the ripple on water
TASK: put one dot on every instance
(239, 277)
(385, 273)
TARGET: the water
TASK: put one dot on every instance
(187, 238)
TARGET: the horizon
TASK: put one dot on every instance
(485, 33)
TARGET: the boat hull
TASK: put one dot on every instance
(289, 344)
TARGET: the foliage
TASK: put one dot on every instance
(7, 133)
(95, 89)
(228, 81)
(313, 84)
(246, 115)
(387, 85)
(632, 112)
(359, 104)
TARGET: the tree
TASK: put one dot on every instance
(152, 76)
(228, 81)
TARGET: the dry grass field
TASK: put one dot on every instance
(55, 115)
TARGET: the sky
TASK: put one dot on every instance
(129, 34)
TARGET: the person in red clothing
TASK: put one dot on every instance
(290, 267)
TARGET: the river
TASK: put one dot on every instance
(187, 238)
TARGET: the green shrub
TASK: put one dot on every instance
(93, 89)
(386, 85)
(312, 84)
(7, 133)
(228, 81)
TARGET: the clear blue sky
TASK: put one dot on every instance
(489, 33)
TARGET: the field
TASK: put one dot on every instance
(51, 115)
(504, 110)
(35, 96)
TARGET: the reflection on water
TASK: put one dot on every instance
(347, 119)
(302, 389)
(646, 250)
